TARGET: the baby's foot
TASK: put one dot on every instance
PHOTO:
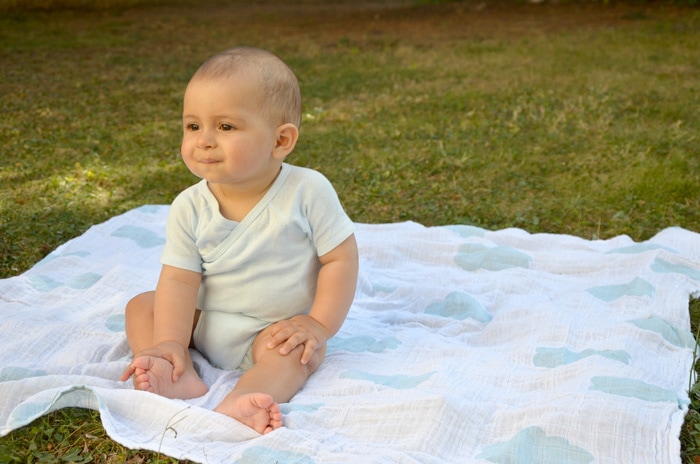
(256, 410)
(156, 375)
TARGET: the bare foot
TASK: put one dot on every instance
(156, 375)
(256, 410)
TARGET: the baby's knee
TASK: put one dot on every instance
(140, 306)
(292, 359)
(306, 369)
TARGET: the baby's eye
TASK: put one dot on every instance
(226, 127)
(192, 127)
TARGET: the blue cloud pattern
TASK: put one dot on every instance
(459, 306)
(116, 323)
(384, 288)
(532, 445)
(149, 209)
(467, 231)
(679, 338)
(472, 257)
(400, 382)
(81, 282)
(640, 248)
(662, 266)
(144, 238)
(296, 407)
(553, 357)
(265, 455)
(637, 287)
(363, 343)
(632, 388)
(18, 373)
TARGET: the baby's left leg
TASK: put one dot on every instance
(273, 379)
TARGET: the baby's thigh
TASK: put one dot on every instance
(260, 343)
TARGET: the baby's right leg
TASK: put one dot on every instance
(154, 373)
(273, 379)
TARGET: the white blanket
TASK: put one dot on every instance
(462, 345)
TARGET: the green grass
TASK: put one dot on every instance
(571, 118)
(70, 435)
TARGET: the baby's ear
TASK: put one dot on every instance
(287, 136)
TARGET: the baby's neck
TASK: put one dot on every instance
(235, 202)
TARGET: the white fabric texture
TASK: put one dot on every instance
(462, 345)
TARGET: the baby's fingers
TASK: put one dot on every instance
(128, 372)
(309, 348)
(178, 370)
(178, 364)
(296, 339)
(280, 333)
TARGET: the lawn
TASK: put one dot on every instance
(569, 117)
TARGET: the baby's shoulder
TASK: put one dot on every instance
(307, 178)
(196, 195)
(193, 203)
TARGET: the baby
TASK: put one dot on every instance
(260, 262)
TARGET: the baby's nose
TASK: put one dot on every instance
(206, 140)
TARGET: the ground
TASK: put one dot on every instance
(448, 20)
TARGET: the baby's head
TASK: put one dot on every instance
(279, 93)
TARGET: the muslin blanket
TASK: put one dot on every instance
(463, 345)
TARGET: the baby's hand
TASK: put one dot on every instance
(299, 330)
(171, 351)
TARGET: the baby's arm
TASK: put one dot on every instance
(174, 307)
(335, 290)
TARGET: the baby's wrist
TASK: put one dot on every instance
(170, 346)
(170, 342)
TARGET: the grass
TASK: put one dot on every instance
(70, 435)
(571, 118)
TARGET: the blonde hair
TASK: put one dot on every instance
(279, 89)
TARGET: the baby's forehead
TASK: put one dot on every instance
(242, 85)
(225, 96)
(236, 79)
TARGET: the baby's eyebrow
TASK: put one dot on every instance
(229, 117)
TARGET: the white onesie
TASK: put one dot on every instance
(261, 270)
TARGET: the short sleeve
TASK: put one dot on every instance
(180, 235)
(330, 225)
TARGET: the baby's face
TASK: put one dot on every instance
(226, 138)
